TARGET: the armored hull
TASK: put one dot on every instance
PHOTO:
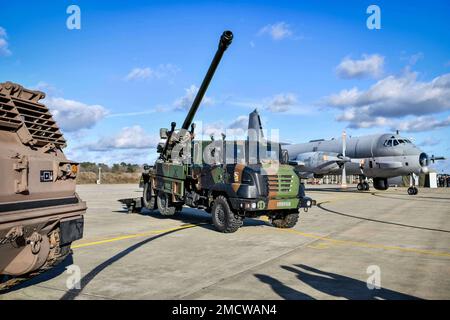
(40, 212)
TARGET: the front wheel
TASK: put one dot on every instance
(148, 196)
(413, 191)
(224, 219)
(288, 220)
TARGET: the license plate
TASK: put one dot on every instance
(283, 204)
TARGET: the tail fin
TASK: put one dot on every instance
(255, 132)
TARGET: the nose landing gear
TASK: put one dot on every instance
(412, 190)
(363, 185)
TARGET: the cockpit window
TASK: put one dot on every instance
(395, 142)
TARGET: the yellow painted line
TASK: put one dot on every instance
(131, 236)
(368, 245)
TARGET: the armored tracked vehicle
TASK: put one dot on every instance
(40, 213)
(229, 179)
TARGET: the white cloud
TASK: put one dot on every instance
(184, 103)
(281, 102)
(236, 128)
(395, 97)
(133, 137)
(368, 66)
(162, 71)
(422, 124)
(413, 59)
(139, 73)
(277, 31)
(4, 50)
(429, 142)
(72, 115)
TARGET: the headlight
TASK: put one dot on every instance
(308, 203)
(254, 205)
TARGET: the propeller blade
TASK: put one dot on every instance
(344, 172)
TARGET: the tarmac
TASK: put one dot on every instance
(352, 245)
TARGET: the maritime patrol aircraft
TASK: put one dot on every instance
(378, 156)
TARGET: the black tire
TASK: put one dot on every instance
(163, 203)
(224, 219)
(148, 196)
(288, 220)
(366, 186)
(360, 187)
(411, 191)
(416, 191)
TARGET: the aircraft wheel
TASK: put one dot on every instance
(224, 219)
(366, 186)
(360, 187)
(412, 191)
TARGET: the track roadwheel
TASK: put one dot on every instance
(288, 220)
(163, 202)
(224, 219)
(149, 197)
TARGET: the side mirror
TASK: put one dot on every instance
(285, 156)
(163, 133)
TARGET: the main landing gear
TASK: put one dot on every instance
(363, 185)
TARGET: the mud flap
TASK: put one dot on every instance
(71, 230)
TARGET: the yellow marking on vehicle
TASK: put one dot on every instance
(131, 236)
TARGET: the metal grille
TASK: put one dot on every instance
(20, 106)
(279, 183)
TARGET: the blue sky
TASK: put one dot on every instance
(312, 68)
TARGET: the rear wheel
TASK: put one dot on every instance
(366, 186)
(288, 220)
(224, 219)
(164, 206)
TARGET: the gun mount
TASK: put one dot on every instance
(173, 137)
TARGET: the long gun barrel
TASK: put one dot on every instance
(225, 41)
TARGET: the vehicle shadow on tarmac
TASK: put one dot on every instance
(73, 293)
(194, 216)
(45, 276)
(331, 284)
(337, 190)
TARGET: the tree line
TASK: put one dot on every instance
(115, 168)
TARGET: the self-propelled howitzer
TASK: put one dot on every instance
(225, 178)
